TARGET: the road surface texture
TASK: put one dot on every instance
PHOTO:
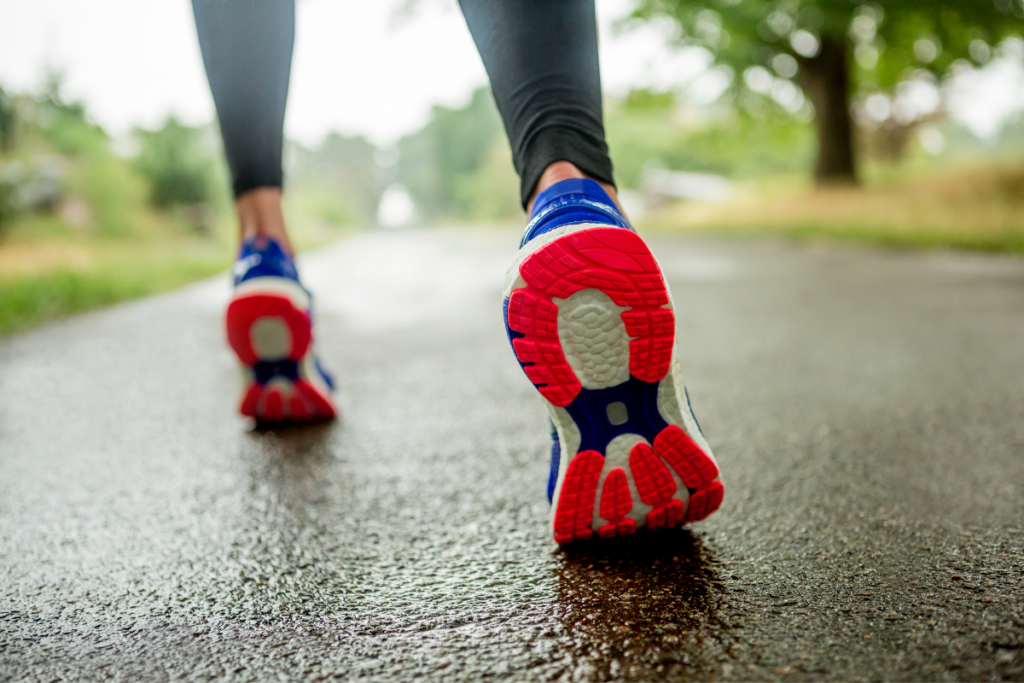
(867, 409)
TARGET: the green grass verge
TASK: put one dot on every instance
(922, 238)
(29, 300)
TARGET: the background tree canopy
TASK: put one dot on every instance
(179, 170)
(459, 164)
(828, 47)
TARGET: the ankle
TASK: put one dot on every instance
(259, 213)
(564, 170)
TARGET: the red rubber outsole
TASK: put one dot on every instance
(654, 484)
(283, 401)
(245, 311)
(613, 260)
(303, 403)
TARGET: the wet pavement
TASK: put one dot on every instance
(867, 409)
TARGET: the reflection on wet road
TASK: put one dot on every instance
(641, 610)
(865, 408)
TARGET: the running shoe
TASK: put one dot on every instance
(270, 328)
(590, 320)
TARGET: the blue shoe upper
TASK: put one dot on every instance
(556, 454)
(327, 377)
(261, 256)
(579, 200)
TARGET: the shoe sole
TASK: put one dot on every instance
(590, 319)
(270, 331)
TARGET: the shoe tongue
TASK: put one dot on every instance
(579, 200)
(583, 187)
(261, 244)
(263, 256)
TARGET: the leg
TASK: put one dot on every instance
(541, 58)
(247, 51)
(587, 310)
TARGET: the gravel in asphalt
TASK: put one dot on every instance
(866, 407)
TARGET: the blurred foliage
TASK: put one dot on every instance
(8, 119)
(114, 195)
(490, 192)
(57, 157)
(179, 170)
(654, 129)
(77, 223)
(7, 204)
(458, 165)
(744, 33)
(337, 182)
(65, 124)
(774, 44)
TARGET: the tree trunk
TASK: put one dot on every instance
(825, 79)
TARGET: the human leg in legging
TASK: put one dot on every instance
(541, 57)
(247, 51)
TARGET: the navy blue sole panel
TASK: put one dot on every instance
(589, 410)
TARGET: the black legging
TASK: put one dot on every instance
(541, 57)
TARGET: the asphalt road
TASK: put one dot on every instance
(867, 409)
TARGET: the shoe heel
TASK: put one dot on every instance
(265, 327)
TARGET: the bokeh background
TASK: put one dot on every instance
(897, 124)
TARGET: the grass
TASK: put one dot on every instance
(55, 280)
(971, 207)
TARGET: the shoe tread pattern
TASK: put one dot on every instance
(649, 467)
(576, 500)
(612, 260)
(616, 503)
(695, 468)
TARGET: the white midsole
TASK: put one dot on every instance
(275, 286)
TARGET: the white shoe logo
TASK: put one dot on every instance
(243, 266)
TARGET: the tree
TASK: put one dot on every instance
(435, 162)
(827, 47)
(179, 170)
(343, 167)
(8, 121)
(65, 123)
